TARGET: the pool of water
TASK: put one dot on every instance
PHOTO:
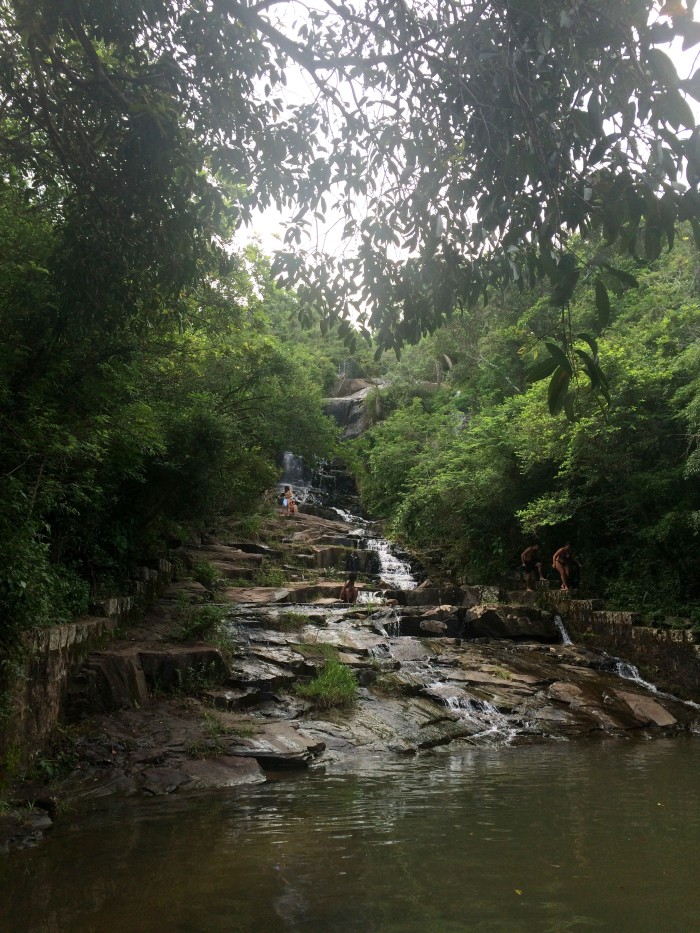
(601, 836)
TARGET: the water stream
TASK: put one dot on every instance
(565, 637)
(489, 839)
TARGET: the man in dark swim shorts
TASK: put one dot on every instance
(531, 563)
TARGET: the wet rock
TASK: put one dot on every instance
(186, 589)
(515, 622)
(647, 710)
(23, 829)
(225, 771)
(427, 596)
(263, 676)
(278, 746)
(232, 698)
(256, 594)
(221, 556)
(161, 781)
(109, 680)
(178, 665)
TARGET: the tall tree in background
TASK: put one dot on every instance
(462, 143)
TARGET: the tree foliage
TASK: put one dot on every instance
(462, 144)
(473, 471)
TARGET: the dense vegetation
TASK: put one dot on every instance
(147, 377)
(123, 432)
(472, 469)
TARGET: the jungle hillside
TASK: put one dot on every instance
(515, 190)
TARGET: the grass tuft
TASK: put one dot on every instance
(334, 688)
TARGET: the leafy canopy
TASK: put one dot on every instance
(462, 143)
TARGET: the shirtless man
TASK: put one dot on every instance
(531, 563)
(349, 592)
(562, 562)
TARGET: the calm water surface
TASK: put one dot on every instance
(554, 838)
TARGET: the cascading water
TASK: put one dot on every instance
(296, 475)
(490, 722)
(565, 639)
(393, 571)
(629, 672)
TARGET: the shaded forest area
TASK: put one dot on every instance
(148, 376)
(467, 464)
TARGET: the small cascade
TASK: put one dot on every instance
(387, 623)
(565, 639)
(491, 723)
(296, 475)
(371, 597)
(629, 672)
(349, 517)
(393, 571)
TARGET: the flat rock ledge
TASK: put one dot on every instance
(435, 667)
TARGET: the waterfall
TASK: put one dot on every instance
(294, 472)
(485, 716)
(565, 639)
(393, 571)
(629, 672)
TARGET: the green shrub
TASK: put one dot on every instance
(272, 576)
(334, 688)
(289, 622)
(199, 623)
(206, 574)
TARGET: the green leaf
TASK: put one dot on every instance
(625, 278)
(652, 242)
(676, 110)
(695, 224)
(558, 387)
(691, 34)
(564, 288)
(591, 341)
(602, 303)
(542, 369)
(590, 367)
(692, 85)
(662, 67)
(569, 406)
(560, 357)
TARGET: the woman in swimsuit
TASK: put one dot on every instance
(562, 562)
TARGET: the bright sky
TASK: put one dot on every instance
(268, 227)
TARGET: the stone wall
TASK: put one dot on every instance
(36, 685)
(669, 658)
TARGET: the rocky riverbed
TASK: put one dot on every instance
(437, 667)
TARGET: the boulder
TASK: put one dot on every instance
(512, 622)
(278, 746)
(161, 781)
(225, 771)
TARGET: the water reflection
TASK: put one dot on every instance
(532, 839)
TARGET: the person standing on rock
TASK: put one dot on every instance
(530, 559)
(563, 562)
(349, 591)
(288, 503)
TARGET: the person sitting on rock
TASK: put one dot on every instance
(349, 591)
(563, 562)
(530, 559)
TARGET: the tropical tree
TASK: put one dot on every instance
(462, 144)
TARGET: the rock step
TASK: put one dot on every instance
(126, 677)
